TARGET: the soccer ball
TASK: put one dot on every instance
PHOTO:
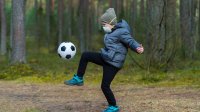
(66, 50)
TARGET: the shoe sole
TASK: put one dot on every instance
(73, 84)
(114, 111)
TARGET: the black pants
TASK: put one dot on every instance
(109, 73)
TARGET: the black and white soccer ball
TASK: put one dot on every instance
(66, 50)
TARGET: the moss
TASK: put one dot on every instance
(16, 71)
(33, 110)
(49, 68)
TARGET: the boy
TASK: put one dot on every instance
(117, 40)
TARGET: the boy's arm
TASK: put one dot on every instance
(130, 41)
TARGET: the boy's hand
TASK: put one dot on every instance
(140, 49)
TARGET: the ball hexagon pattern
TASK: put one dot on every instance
(66, 50)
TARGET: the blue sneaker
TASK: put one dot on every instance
(76, 80)
(112, 109)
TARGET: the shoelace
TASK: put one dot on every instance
(76, 78)
(111, 108)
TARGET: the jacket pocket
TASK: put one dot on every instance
(108, 54)
(118, 57)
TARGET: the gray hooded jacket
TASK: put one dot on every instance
(117, 43)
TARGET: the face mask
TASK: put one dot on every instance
(107, 29)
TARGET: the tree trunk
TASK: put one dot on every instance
(3, 28)
(83, 25)
(36, 30)
(36, 15)
(170, 35)
(91, 26)
(186, 19)
(142, 10)
(19, 46)
(118, 5)
(11, 36)
(112, 3)
(52, 6)
(99, 12)
(155, 32)
(199, 29)
(134, 11)
(161, 29)
(194, 23)
(120, 9)
(40, 26)
(48, 10)
(199, 18)
(133, 14)
(69, 18)
(60, 20)
(86, 24)
(126, 10)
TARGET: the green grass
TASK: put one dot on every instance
(32, 110)
(49, 68)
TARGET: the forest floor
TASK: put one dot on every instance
(27, 97)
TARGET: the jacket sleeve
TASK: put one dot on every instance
(128, 40)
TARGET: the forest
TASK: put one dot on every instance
(168, 29)
(32, 30)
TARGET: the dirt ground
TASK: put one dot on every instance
(15, 97)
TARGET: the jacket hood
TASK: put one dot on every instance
(123, 24)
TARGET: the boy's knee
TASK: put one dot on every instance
(105, 87)
(84, 55)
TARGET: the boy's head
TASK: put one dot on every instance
(109, 17)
